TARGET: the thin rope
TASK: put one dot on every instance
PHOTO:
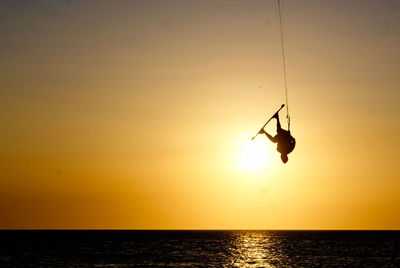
(284, 63)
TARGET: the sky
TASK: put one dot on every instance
(139, 114)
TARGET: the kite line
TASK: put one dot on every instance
(280, 11)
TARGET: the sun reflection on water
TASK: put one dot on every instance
(255, 249)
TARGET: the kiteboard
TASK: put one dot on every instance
(283, 105)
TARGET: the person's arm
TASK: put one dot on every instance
(273, 139)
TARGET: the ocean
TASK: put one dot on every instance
(71, 248)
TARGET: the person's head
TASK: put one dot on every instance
(284, 158)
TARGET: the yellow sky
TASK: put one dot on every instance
(135, 114)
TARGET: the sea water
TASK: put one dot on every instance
(199, 248)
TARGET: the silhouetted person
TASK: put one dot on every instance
(286, 142)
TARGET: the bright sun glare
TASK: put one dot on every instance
(254, 155)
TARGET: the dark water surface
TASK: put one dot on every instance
(200, 248)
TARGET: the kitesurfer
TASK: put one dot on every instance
(286, 142)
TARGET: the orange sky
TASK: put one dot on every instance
(135, 114)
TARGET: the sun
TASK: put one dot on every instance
(254, 155)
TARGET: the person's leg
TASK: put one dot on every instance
(278, 123)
